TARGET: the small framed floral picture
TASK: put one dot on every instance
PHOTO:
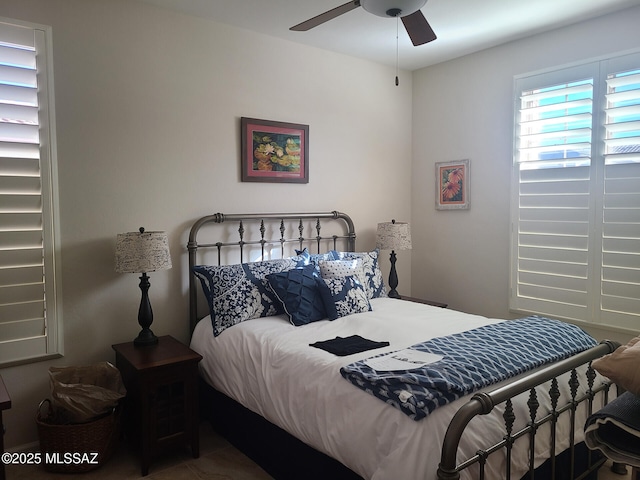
(274, 151)
(452, 185)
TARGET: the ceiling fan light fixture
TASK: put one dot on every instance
(414, 21)
(382, 8)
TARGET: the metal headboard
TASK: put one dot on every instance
(285, 221)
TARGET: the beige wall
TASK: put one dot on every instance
(464, 109)
(148, 119)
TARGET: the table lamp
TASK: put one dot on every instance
(393, 236)
(142, 252)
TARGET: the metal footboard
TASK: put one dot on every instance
(484, 402)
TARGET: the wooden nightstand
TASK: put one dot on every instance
(427, 302)
(161, 409)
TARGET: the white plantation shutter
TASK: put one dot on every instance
(29, 326)
(621, 203)
(556, 122)
(553, 238)
(576, 195)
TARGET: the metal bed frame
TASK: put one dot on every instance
(284, 222)
(483, 403)
(558, 466)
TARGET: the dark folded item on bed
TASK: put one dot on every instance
(343, 346)
(615, 430)
(471, 360)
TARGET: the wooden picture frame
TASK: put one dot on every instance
(452, 185)
(274, 151)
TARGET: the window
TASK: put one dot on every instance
(29, 286)
(576, 194)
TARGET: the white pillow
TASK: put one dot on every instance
(343, 268)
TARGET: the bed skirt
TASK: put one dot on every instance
(284, 457)
(281, 455)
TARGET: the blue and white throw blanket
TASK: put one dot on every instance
(471, 360)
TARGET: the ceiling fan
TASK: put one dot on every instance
(414, 21)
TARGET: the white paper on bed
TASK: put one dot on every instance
(267, 365)
(405, 359)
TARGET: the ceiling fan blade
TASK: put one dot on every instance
(326, 16)
(418, 28)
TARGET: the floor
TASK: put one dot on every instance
(218, 461)
(606, 474)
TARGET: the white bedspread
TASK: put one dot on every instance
(267, 365)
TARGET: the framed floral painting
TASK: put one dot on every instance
(274, 151)
(452, 185)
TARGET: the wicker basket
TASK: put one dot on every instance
(64, 444)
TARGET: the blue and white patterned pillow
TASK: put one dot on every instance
(343, 296)
(299, 294)
(314, 258)
(343, 268)
(374, 283)
(240, 292)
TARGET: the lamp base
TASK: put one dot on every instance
(393, 277)
(145, 338)
(145, 316)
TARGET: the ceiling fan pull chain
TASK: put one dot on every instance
(397, 48)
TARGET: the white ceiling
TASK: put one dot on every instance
(462, 26)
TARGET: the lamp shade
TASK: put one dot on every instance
(141, 252)
(393, 236)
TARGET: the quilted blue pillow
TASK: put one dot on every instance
(343, 296)
(240, 292)
(299, 293)
(374, 283)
